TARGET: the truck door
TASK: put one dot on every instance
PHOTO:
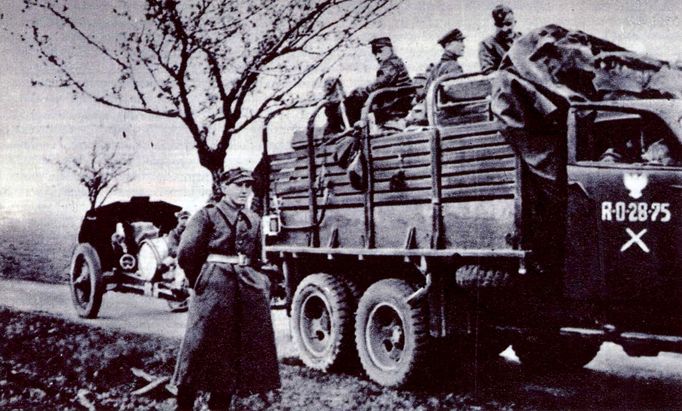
(624, 244)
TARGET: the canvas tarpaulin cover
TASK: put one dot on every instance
(542, 74)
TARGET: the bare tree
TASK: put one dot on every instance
(218, 66)
(101, 170)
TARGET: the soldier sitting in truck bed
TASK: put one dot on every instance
(391, 73)
(453, 48)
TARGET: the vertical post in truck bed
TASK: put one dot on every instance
(370, 233)
(314, 233)
(437, 226)
(370, 236)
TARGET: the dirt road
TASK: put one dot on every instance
(127, 312)
(150, 316)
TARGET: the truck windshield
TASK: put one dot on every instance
(607, 136)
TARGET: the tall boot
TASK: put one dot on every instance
(219, 401)
(185, 399)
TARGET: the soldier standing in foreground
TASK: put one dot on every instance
(229, 344)
(493, 48)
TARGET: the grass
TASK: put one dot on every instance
(39, 250)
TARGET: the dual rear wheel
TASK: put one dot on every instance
(333, 328)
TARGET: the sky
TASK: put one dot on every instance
(38, 123)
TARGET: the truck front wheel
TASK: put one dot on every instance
(391, 336)
(542, 354)
(86, 282)
(322, 322)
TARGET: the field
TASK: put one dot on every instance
(37, 250)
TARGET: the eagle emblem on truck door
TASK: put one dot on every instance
(635, 183)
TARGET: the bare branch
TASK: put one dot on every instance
(218, 65)
(88, 39)
(100, 167)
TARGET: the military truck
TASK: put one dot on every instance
(434, 250)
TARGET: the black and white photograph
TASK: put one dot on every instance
(340, 205)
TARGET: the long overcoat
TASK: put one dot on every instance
(229, 344)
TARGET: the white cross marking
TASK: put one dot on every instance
(635, 239)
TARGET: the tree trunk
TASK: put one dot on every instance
(212, 160)
(216, 192)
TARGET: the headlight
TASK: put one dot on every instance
(151, 253)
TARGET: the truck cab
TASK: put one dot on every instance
(623, 248)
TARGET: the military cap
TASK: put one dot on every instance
(380, 42)
(236, 175)
(500, 12)
(182, 214)
(452, 35)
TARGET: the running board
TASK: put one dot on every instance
(634, 343)
(627, 336)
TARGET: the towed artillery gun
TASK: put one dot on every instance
(435, 247)
(121, 247)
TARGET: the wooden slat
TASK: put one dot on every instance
(447, 157)
(285, 156)
(470, 129)
(299, 155)
(476, 179)
(419, 184)
(289, 187)
(392, 139)
(451, 142)
(300, 138)
(398, 139)
(339, 177)
(332, 171)
(411, 149)
(495, 191)
(465, 119)
(505, 190)
(300, 164)
(467, 89)
(488, 164)
(447, 144)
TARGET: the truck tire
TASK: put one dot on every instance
(476, 276)
(86, 282)
(322, 322)
(391, 336)
(547, 354)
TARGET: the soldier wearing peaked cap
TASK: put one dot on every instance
(229, 344)
(492, 49)
(392, 72)
(379, 42)
(453, 48)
